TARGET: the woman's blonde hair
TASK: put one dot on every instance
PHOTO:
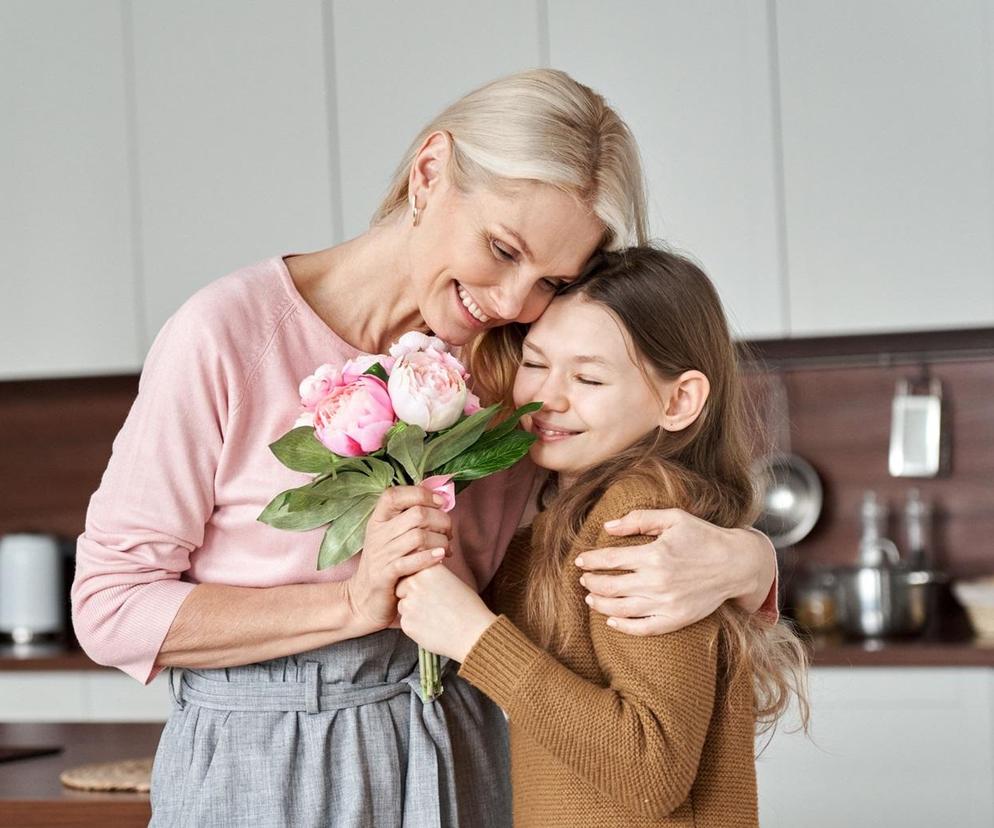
(674, 318)
(540, 126)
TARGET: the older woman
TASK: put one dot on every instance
(298, 701)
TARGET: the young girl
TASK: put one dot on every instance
(642, 409)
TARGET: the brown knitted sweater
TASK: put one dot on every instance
(619, 730)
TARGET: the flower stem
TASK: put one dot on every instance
(428, 666)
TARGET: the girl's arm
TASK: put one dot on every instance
(682, 576)
(638, 740)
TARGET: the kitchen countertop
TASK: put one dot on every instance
(30, 791)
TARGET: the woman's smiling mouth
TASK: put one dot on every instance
(471, 307)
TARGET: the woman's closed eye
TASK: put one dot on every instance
(502, 252)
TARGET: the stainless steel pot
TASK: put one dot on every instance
(881, 602)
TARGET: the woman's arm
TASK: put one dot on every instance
(226, 626)
(681, 577)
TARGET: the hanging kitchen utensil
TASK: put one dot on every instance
(915, 432)
(790, 488)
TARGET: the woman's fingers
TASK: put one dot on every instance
(396, 499)
(614, 586)
(415, 562)
(424, 517)
(623, 607)
(612, 557)
(645, 522)
(413, 540)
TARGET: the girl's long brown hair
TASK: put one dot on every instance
(674, 318)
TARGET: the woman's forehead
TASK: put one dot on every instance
(556, 231)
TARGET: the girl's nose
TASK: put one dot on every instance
(551, 394)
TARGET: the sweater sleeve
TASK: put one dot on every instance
(769, 609)
(637, 740)
(155, 498)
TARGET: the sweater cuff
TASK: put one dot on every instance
(499, 660)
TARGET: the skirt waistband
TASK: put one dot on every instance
(306, 696)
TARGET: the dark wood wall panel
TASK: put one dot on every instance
(840, 423)
(56, 436)
(55, 441)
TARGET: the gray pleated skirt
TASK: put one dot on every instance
(337, 736)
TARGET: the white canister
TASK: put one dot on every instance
(31, 589)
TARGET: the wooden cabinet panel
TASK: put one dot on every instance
(399, 64)
(694, 82)
(234, 147)
(66, 235)
(888, 142)
(891, 746)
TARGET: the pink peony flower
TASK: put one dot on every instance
(319, 385)
(357, 366)
(354, 419)
(472, 404)
(426, 389)
(416, 341)
(440, 484)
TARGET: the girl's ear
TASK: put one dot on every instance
(685, 399)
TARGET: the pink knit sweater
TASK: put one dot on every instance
(191, 470)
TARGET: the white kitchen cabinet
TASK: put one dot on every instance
(888, 152)
(694, 82)
(69, 295)
(81, 696)
(235, 139)
(398, 64)
(909, 747)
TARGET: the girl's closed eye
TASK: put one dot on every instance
(531, 365)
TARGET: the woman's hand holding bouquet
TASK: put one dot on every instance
(383, 421)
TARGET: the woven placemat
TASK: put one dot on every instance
(126, 775)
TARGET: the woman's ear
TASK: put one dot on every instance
(429, 166)
(685, 400)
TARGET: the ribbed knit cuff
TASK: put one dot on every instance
(500, 660)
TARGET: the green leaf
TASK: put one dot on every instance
(301, 451)
(297, 511)
(381, 471)
(345, 536)
(506, 426)
(406, 445)
(482, 461)
(456, 439)
(346, 485)
(377, 371)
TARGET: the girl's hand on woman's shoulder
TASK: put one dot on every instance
(406, 533)
(442, 612)
(676, 580)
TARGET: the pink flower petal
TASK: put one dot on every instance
(441, 484)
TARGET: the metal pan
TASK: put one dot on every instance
(791, 495)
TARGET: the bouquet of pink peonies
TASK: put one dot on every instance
(407, 418)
